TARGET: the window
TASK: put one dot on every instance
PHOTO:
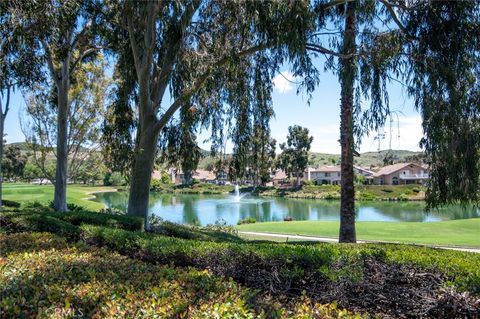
(395, 180)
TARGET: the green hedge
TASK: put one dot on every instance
(100, 219)
(10, 203)
(291, 263)
(266, 266)
(65, 224)
(103, 284)
(209, 233)
(14, 222)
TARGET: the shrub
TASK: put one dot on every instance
(209, 233)
(332, 195)
(14, 222)
(367, 196)
(249, 220)
(308, 183)
(112, 211)
(291, 264)
(387, 190)
(165, 178)
(36, 206)
(70, 206)
(10, 203)
(271, 267)
(113, 179)
(37, 220)
(100, 219)
(103, 284)
(74, 207)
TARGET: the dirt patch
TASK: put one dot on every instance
(402, 291)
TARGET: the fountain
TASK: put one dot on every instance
(237, 194)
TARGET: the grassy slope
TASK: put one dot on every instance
(455, 232)
(366, 159)
(76, 194)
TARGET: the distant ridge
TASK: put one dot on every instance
(366, 159)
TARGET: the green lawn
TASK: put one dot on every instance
(464, 232)
(76, 194)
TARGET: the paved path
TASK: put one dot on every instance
(335, 240)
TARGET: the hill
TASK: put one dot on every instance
(367, 159)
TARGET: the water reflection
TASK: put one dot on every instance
(207, 209)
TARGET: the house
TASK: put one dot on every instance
(178, 178)
(222, 177)
(362, 171)
(324, 175)
(279, 178)
(401, 174)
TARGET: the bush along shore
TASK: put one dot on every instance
(195, 188)
(108, 266)
(363, 192)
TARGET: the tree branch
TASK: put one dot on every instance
(389, 6)
(50, 62)
(7, 106)
(199, 83)
(334, 3)
(133, 43)
(80, 34)
(83, 55)
(161, 79)
(323, 50)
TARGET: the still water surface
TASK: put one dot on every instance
(207, 209)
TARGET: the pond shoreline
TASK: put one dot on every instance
(204, 209)
(399, 193)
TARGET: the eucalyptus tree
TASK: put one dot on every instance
(433, 47)
(17, 69)
(203, 53)
(294, 157)
(443, 64)
(363, 46)
(62, 36)
(178, 145)
(254, 149)
(87, 100)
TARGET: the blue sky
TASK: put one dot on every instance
(322, 117)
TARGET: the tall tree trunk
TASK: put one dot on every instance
(347, 79)
(2, 124)
(3, 114)
(60, 196)
(142, 174)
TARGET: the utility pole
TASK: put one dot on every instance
(379, 137)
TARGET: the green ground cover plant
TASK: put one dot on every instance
(45, 276)
(375, 278)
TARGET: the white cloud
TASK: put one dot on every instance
(282, 82)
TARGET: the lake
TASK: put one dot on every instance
(207, 209)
